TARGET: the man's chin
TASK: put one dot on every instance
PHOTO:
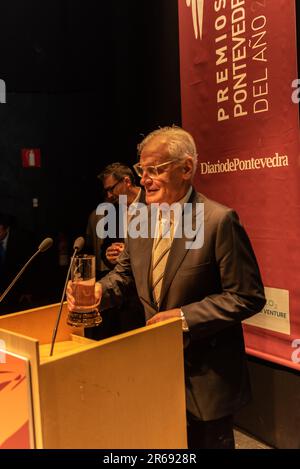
(152, 197)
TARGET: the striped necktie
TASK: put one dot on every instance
(160, 256)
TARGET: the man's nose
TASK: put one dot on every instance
(145, 178)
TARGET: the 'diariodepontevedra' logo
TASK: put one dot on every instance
(197, 12)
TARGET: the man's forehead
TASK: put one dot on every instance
(109, 180)
(155, 151)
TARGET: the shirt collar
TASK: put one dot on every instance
(167, 217)
(136, 200)
(182, 201)
(186, 197)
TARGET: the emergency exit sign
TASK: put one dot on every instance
(31, 157)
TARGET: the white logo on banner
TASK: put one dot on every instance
(197, 12)
(275, 316)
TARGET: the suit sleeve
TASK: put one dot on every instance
(241, 294)
(108, 241)
(89, 234)
(119, 283)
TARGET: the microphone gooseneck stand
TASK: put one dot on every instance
(78, 245)
(45, 244)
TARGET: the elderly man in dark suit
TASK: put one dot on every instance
(212, 286)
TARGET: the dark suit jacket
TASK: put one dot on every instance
(97, 246)
(108, 241)
(217, 286)
(93, 244)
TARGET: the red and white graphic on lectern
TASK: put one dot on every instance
(16, 431)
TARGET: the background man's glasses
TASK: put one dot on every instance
(152, 171)
(111, 188)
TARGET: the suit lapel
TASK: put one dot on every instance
(145, 252)
(142, 248)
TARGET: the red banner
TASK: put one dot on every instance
(238, 63)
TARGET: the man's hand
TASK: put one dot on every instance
(72, 306)
(112, 252)
(164, 315)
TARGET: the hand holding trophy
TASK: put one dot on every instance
(83, 293)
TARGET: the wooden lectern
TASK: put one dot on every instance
(123, 392)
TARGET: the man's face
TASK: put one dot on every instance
(171, 184)
(113, 188)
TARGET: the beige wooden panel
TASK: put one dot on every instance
(39, 323)
(61, 348)
(122, 392)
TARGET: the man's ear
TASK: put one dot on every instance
(188, 167)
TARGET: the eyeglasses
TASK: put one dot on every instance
(152, 171)
(111, 188)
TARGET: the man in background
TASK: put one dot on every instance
(117, 180)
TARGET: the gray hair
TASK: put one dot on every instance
(180, 143)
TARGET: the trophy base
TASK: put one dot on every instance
(90, 319)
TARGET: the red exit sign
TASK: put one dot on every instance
(31, 157)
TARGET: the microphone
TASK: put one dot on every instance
(77, 246)
(45, 244)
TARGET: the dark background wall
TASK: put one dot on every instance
(85, 80)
